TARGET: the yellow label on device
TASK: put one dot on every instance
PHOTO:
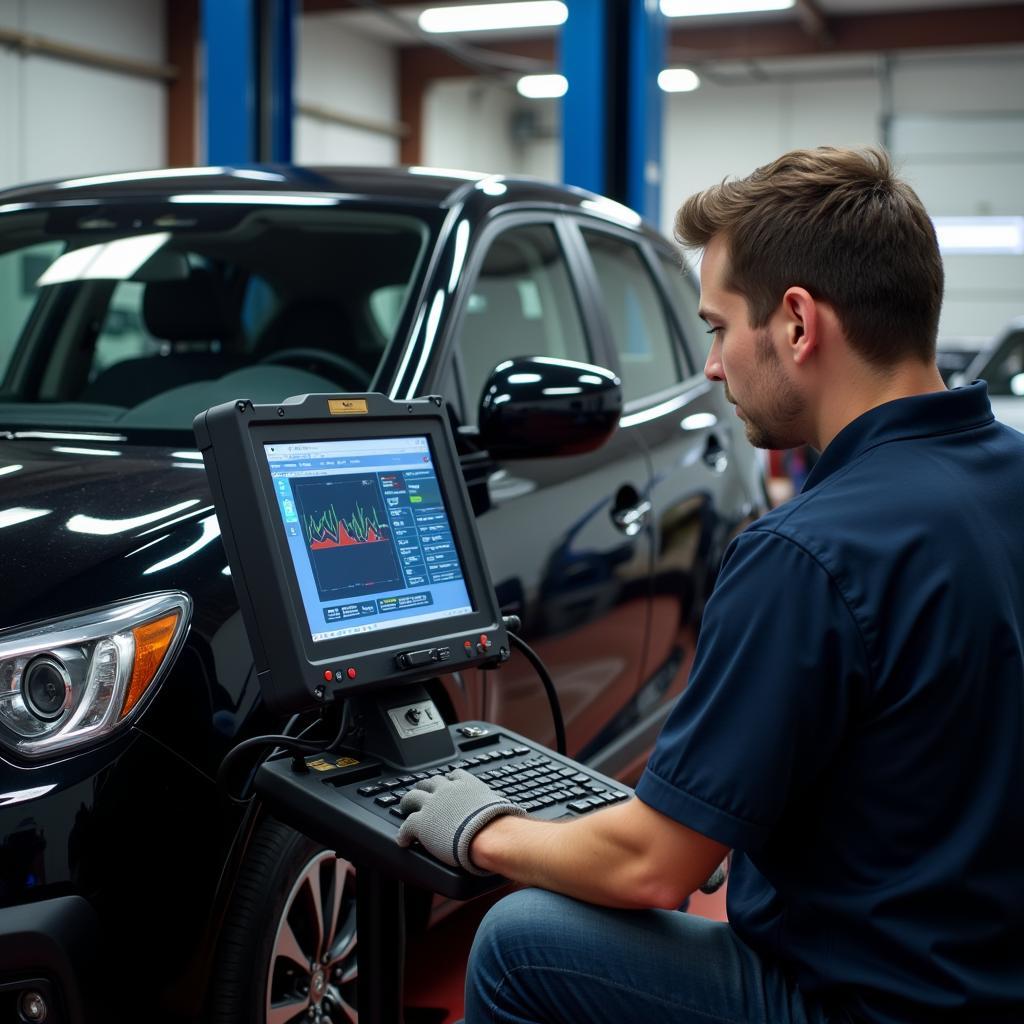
(347, 406)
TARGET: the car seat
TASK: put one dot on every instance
(193, 309)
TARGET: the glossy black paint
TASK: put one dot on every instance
(546, 406)
(606, 557)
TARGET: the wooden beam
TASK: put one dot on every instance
(182, 93)
(861, 33)
(813, 22)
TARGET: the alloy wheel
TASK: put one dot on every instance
(311, 976)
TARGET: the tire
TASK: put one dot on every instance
(288, 944)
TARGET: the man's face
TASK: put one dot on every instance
(747, 361)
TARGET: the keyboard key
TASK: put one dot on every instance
(397, 812)
(581, 806)
(386, 800)
(391, 783)
(372, 790)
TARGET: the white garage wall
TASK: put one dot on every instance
(59, 119)
(351, 74)
(955, 129)
(467, 123)
(958, 133)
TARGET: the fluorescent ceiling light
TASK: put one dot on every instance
(108, 261)
(700, 8)
(542, 87)
(678, 80)
(980, 235)
(485, 17)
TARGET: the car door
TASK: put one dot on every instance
(560, 554)
(698, 495)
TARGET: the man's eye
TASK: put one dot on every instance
(714, 330)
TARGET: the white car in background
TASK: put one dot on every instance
(1002, 366)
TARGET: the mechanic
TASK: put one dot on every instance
(854, 723)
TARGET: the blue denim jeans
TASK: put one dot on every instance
(541, 958)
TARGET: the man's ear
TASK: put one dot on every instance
(802, 322)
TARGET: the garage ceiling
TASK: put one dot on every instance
(394, 21)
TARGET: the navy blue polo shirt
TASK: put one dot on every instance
(854, 723)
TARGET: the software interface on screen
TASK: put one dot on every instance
(368, 534)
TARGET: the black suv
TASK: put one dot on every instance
(128, 303)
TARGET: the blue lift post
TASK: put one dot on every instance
(249, 71)
(611, 52)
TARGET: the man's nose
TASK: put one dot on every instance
(713, 365)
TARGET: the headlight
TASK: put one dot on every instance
(69, 682)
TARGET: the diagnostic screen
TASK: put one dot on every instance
(368, 534)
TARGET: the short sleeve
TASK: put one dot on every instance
(780, 665)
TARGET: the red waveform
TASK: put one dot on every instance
(344, 539)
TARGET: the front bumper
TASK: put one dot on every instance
(46, 953)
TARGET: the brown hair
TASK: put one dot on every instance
(840, 224)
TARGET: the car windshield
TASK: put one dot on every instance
(134, 316)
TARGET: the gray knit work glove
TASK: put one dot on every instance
(447, 813)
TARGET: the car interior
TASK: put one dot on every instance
(277, 299)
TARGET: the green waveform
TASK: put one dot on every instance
(328, 526)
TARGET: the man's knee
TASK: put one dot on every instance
(509, 933)
(515, 922)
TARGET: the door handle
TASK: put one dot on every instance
(715, 454)
(630, 512)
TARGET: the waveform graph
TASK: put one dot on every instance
(328, 530)
(347, 536)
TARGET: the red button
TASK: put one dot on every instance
(468, 645)
(483, 639)
(351, 673)
(328, 674)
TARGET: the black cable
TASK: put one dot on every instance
(298, 747)
(549, 688)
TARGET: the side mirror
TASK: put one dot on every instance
(538, 406)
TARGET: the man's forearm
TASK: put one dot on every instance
(606, 858)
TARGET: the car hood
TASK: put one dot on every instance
(69, 507)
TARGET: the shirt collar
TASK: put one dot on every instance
(939, 412)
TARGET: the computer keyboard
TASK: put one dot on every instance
(534, 781)
(353, 805)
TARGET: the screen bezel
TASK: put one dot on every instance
(349, 648)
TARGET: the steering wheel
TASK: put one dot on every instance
(352, 373)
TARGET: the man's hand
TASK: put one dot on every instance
(447, 812)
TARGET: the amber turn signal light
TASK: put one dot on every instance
(151, 643)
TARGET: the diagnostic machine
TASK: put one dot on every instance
(354, 553)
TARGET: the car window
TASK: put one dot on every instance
(640, 329)
(686, 300)
(129, 315)
(19, 270)
(522, 304)
(1005, 374)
